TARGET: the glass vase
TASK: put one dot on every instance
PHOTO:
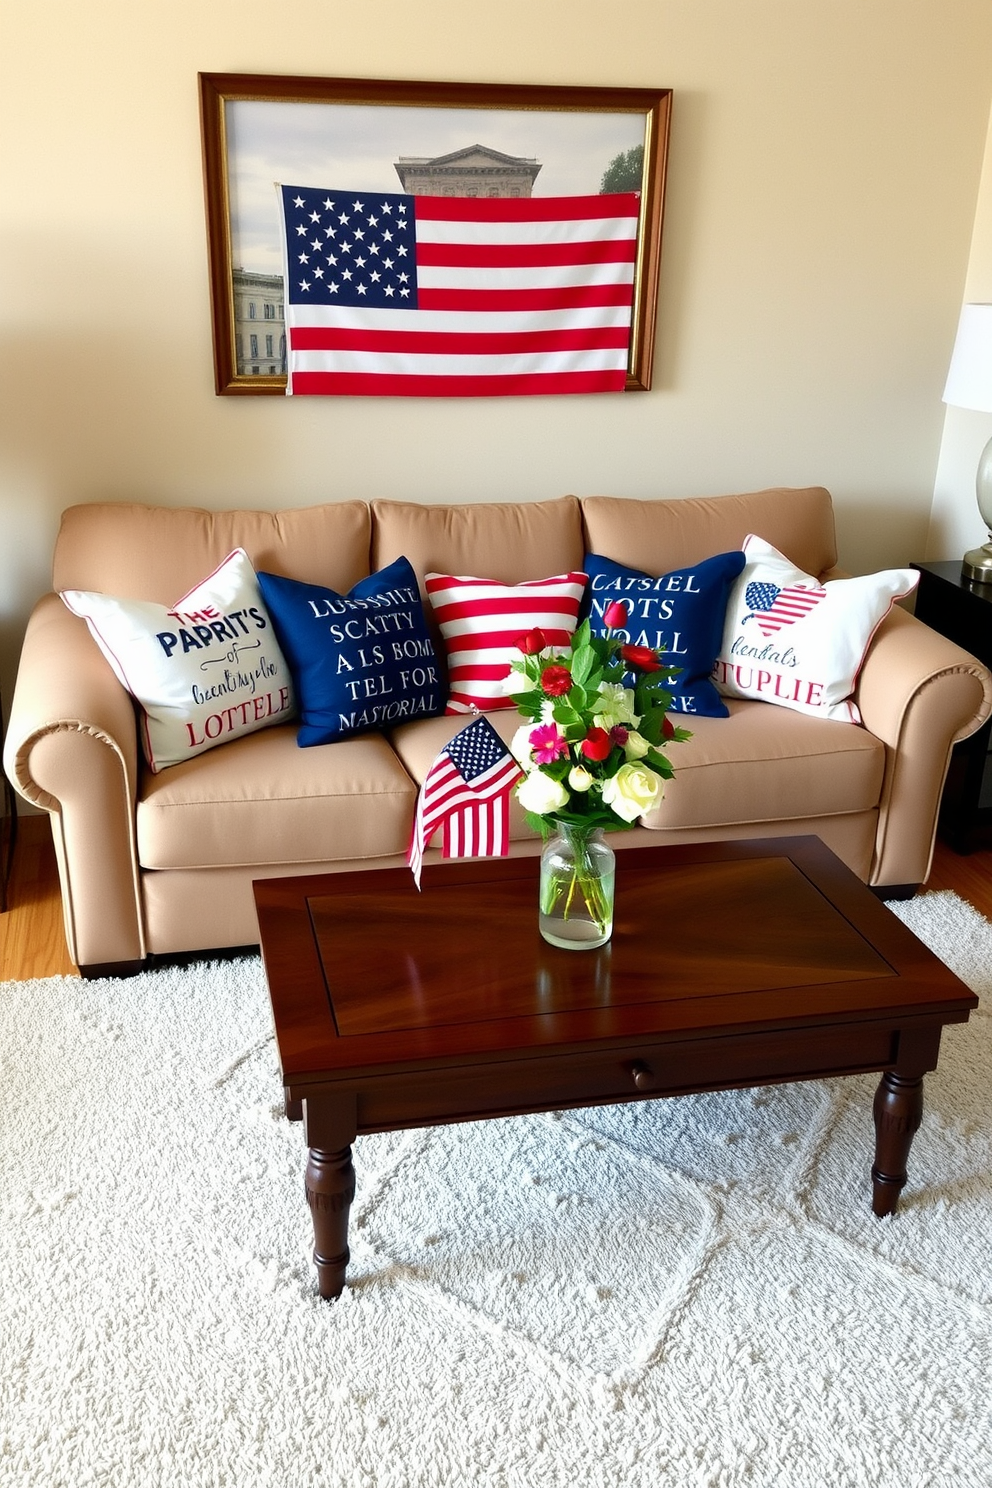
(577, 881)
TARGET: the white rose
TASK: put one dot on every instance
(579, 778)
(636, 746)
(540, 793)
(519, 746)
(632, 791)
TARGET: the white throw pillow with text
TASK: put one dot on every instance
(205, 671)
(790, 640)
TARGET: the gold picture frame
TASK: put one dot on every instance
(255, 126)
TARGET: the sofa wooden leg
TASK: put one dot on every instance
(894, 891)
(111, 969)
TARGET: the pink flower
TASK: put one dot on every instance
(531, 642)
(556, 680)
(615, 615)
(547, 743)
(619, 735)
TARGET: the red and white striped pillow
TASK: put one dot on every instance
(481, 620)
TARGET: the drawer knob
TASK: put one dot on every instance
(643, 1075)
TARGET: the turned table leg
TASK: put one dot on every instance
(330, 1188)
(898, 1112)
(329, 1126)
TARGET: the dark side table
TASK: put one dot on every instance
(961, 610)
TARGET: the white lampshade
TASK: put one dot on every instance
(969, 385)
(969, 380)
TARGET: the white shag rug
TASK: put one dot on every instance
(686, 1292)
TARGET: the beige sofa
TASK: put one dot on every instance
(154, 864)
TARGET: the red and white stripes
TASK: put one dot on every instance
(481, 621)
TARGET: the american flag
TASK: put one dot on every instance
(467, 792)
(774, 608)
(430, 296)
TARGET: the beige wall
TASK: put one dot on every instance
(825, 164)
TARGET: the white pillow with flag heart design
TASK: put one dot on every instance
(790, 640)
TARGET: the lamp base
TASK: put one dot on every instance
(977, 564)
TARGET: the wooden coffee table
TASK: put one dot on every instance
(731, 964)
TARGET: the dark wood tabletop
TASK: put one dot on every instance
(730, 964)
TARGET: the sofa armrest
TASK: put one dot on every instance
(919, 693)
(72, 749)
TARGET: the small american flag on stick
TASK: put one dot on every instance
(467, 792)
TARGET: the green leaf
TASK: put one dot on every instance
(539, 824)
(652, 694)
(659, 763)
(581, 636)
(582, 665)
(652, 725)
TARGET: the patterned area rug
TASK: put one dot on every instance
(689, 1292)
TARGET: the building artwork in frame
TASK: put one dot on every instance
(490, 142)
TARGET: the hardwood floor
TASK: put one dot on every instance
(32, 941)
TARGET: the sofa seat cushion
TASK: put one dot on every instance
(264, 801)
(765, 764)
(761, 764)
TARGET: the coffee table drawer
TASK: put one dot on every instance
(508, 1087)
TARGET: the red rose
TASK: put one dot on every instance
(531, 643)
(641, 657)
(667, 728)
(556, 681)
(615, 615)
(596, 745)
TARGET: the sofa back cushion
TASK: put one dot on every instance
(157, 552)
(658, 536)
(511, 541)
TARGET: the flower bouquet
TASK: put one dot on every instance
(592, 753)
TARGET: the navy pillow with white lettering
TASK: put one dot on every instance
(681, 615)
(360, 661)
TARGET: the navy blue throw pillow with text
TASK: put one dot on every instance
(360, 661)
(681, 615)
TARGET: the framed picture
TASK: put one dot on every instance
(425, 139)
